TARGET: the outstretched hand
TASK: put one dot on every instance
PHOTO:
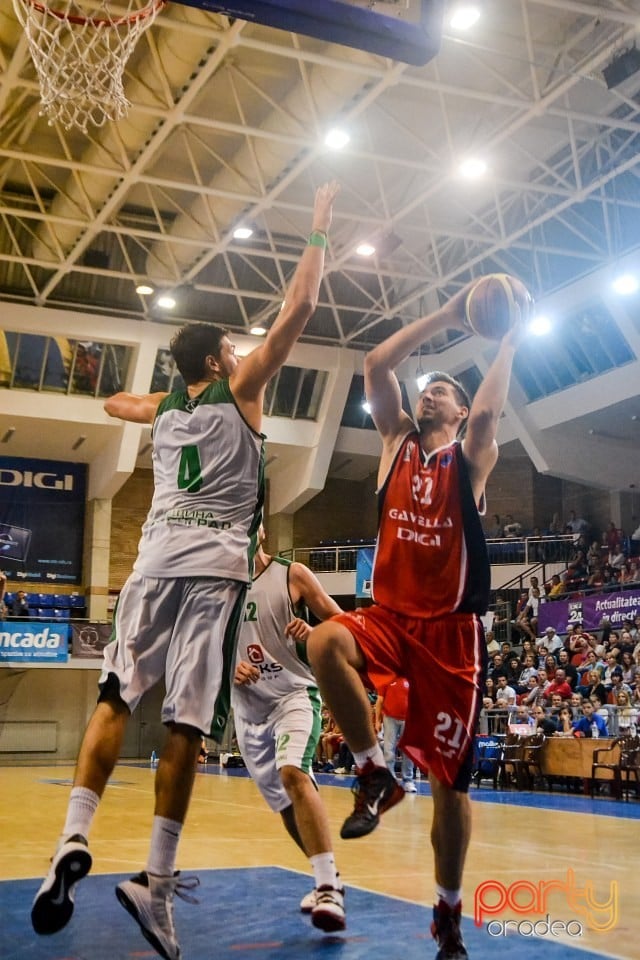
(323, 205)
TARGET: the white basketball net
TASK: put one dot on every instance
(80, 57)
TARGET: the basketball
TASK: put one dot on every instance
(491, 307)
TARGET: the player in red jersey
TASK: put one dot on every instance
(430, 586)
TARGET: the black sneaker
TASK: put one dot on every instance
(376, 790)
(53, 904)
(445, 930)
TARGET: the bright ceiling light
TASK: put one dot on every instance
(366, 406)
(242, 233)
(144, 289)
(336, 139)
(472, 168)
(540, 326)
(365, 250)
(166, 302)
(258, 331)
(464, 16)
(625, 284)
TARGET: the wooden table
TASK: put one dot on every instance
(573, 756)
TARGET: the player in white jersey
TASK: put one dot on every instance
(276, 708)
(178, 613)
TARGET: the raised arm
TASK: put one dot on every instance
(133, 407)
(252, 374)
(479, 445)
(305, 586)
(381, 384)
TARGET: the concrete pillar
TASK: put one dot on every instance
(96, 559)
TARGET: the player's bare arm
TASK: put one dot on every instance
(479, 445)
(305, 586)
(136, 408)
(381, 384)
(252, 374)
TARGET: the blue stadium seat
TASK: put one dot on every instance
(58, 613)
(9, 598)
(42, 599)
(61, 600)
(78, 601)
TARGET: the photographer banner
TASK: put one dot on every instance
(88, 640)
(42, 519)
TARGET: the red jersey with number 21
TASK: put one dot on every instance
(431, 557)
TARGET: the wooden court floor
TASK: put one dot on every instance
(523, 850)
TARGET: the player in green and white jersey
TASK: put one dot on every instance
(178, 613)
(276, 709)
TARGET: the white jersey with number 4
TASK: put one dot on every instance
(262, 642)
(208, 469)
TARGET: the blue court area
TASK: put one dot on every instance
(250, 913)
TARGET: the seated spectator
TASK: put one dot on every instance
(612, 664)
(617, 558)
(489, 692)
(578, 639)
(513, 670)
(617, 685)
(594, 556)
(577, 572)
(544, 723)
(203, 755)
(498, 669)
(535, 694)
(594, 686)
(492, 644)
(550, 665)
(555, 527)
(551, 640)
(611, 536)
(511, 528)
(625, 643)
(578, 526)
(522, 621)
(494, 530)
(629, 668)
(565, 723)
(602, 709)
(590, 723)
(527, 671)
(627, 713)
(576, 704)
(555, 588)
(558, 686)
(501, 616)
(528, 649)
(571, 672)
(589, 664)
(505, 694)
(19, 608)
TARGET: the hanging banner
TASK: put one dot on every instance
(364, 567)
(35, 641)
(589, 611)
(88, 640)
(42, 519)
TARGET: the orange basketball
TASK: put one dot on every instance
(492, 305)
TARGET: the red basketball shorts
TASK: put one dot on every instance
(444, 662)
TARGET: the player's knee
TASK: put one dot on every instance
(293, 779)
(110, 694)
(326, 646)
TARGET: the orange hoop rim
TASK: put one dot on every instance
(147, 11)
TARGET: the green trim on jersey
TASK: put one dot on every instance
(222, 705)
(316, 729)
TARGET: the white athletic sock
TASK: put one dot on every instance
(451, 897)
(165, 835)
(324, 870)
(374, 754)
(83, 804)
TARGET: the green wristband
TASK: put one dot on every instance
(317, 239)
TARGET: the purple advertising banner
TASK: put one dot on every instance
(589, 611)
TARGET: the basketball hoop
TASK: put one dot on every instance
(80, 57)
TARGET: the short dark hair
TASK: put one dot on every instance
(190, 347)
(439, 376)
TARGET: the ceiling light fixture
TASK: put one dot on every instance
(366, 406)
(625, 284)
(145, 289)
(464, 16)
(258, 331)
(242, 233)
(365, 250)
(472, 168)
(166, 302)
(540, 326)
(336, 139)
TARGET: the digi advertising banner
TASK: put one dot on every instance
(42, 519)
(589, 611)
(37, 641)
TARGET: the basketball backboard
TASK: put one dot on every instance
(405, 30)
